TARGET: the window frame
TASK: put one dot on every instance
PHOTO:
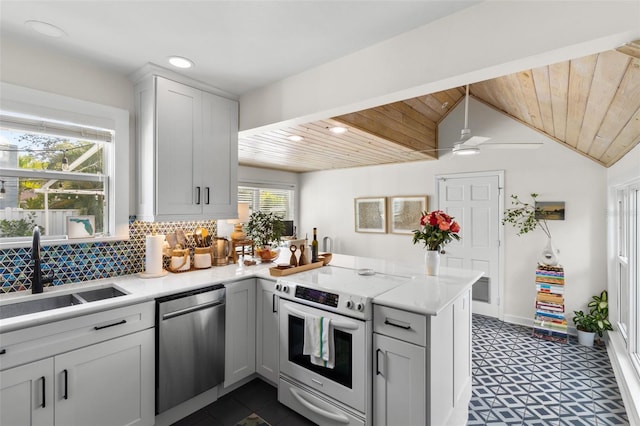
(276, 186)
(23, 100)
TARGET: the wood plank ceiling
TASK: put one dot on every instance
(590, 105)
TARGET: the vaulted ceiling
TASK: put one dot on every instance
(590, 105)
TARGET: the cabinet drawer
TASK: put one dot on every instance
(403, 325)
(38, 342)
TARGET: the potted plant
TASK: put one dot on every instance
(595, 322)
(526, 218)
(265, 228)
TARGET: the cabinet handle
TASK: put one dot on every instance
(405, 327)
(273, 303)
(3, 351)
(197, 195)
(44, 404)
(66, 384)
(206, 193)
(378, 351)
(100, 327)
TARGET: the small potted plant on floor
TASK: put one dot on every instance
(265, 229)
(596, 321)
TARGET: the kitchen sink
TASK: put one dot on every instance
(61, 301)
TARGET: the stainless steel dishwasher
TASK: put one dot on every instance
(189, 344)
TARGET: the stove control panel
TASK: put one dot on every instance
(316, 296)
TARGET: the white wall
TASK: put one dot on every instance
(554, 172)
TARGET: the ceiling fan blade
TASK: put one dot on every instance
(475, 141)
(513, 145)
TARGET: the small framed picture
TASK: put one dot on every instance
(405, 213)
(370, 215)
(81, 226)
(550, 210)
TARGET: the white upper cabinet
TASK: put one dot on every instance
(187, 152)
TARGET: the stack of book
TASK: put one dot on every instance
(550, 322)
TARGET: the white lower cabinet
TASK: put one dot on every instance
(96, 369)
(106, 384)
(240, 331)
(267, 343)
(422, 365)
(26, 394)
(399, 382)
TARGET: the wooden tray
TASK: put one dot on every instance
(275, 272)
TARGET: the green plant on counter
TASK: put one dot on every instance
(264, 228)
(523, 216)
(597, 320)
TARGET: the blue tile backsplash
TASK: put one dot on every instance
(73, 263)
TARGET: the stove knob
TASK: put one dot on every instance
(285, 288)
(349, 304)
(278, 287)
(360, 307)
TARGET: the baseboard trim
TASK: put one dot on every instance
(626, 376)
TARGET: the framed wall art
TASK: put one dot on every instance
(550, 210)
(370, 215)
(81, 226)
(405, 213)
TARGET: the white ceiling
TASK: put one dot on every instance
(237, 46)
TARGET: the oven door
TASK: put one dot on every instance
(347, 381)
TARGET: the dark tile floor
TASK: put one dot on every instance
(517, 380)
(254, 397)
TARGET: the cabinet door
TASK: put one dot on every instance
(240, 332)
(110, 383)
(219, 155)
(399, 378)
(26, 394)
(267, 341)
(179, 189)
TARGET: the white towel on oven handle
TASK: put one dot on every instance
(318, 340)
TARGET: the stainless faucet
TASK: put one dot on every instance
(37, 279)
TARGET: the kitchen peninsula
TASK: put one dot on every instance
(428, 318)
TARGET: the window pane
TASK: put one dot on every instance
(47, 203)
(275, 200)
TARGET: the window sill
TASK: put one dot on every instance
(626, 376)
(60, 241)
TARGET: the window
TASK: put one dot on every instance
(278, 200)
(51, 171)
(628, 268)
(61, 158)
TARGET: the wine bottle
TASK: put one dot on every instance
(314, 246)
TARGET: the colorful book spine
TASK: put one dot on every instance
(550, 322)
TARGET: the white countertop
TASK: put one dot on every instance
(419, 293)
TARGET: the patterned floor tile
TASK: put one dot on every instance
(522, 380)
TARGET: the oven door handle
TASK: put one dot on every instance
(342, 324)
(336, 417)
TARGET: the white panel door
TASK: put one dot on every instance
(26, 394)
(475, 203)
(240, 331)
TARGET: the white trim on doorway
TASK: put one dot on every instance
(500, 175)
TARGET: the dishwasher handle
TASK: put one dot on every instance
(191, 309)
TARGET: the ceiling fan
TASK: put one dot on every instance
(470, 144)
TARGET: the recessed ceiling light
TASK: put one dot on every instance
(338, 130)
(180, 62)
(45, 28)
(295, 138)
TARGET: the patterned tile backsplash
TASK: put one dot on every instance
(88, 261)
